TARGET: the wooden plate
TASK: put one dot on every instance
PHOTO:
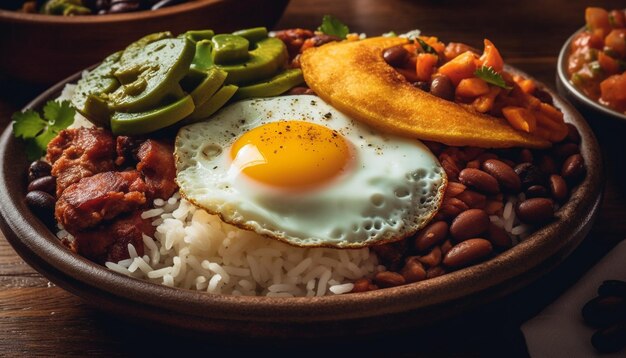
(392, 308)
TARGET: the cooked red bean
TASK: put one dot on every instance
(573, 168)
(558, 188)
(612, 288)
(479, 180)
(395, 56)
(467, 252)
(498, 237)
(535, 210)
(445, 247)
(38, 169)
(389, 279)
(537, 191)
(431, 235)
(530, 175)
(442, 87)
(361, 285)
(565, 150)
(547, 165)
(433, 258)
(468, 224)
(604, 310)
(504, 174)
(413, 270)
(473, 199)
(46, 184)
(41, 203)
(610, 339)
(526, 156)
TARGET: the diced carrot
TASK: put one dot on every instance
(491, 57)
(597, 20)
(434, 42)
(542, 132)
(408, 74)
(425, 65)
(460, 67)
(472, 87)
(484, 103)
(616, 41)
(520, 118)
(552, 113)
(556, 132)
(527, 85)
(453, 49)
(410, 48)
(308, 43)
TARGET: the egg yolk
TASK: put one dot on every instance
(291, 154)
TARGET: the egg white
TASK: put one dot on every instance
(393, 188)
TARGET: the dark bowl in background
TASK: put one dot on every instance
(44, 49)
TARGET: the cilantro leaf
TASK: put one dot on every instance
(332, 26)
(426, 47)
(27, 124)
(38, 132)
(489, 75)
(59, 114)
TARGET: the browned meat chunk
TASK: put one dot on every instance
(126, 148)
(156, 163)
(109, 242)
(79, 153)
(99, 197)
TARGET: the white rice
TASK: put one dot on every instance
(194, 250)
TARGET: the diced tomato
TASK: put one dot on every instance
(617, 19)
(598, 20)
(609, 65)
(613, 90)
(616, 41)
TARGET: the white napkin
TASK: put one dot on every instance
(559, 330)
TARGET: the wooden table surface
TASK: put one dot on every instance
(38, 318)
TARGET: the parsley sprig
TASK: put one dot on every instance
(489, 75)
(332, 26)
(37, 132)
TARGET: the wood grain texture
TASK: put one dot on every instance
(38, 318)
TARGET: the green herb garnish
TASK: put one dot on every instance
(489, 75)
(37, 132)
(426, 47)
(332, 26)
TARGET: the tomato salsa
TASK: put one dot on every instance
(597, 61)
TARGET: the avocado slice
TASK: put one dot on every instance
(265, 57)
(274, 86)
(97, 82)
(211, 82)
(123, 123)
(211, 106)
(152, 75)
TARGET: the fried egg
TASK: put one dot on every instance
(295, 169)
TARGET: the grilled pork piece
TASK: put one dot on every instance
(157, 165)
(79, 153)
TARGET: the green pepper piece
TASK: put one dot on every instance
(212, 81)
(266, 58)
(274, 86)
(145, 122)
(229, 49)
(136, 48)
(99, 81)
(254, 34)
(199, 35)
(152, 75)
(211, 106)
